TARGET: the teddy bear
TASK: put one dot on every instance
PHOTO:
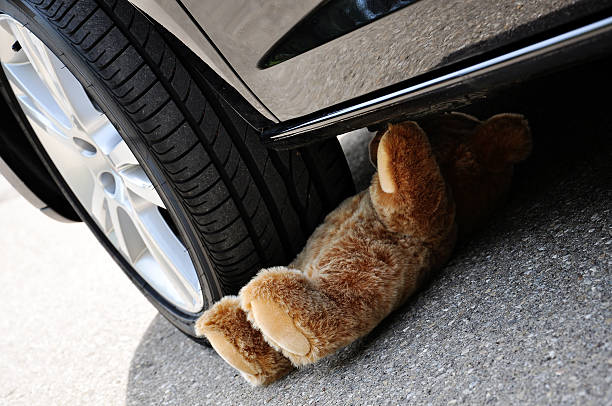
(434, 181)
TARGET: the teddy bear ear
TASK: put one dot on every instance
(503, 138)
(373, 147)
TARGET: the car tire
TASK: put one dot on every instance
(236, 206)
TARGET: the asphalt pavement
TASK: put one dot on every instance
(520, 315)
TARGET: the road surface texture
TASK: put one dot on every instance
(69, 319)
(520, 315)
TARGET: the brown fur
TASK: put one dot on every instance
(373, 251)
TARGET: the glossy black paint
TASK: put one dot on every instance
(222, 89)
(327, 22)
(455, 94)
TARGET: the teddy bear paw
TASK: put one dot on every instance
(279, 328)
(290, 312)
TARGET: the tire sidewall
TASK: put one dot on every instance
(40, 26)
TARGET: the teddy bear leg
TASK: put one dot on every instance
(268, 300)
(293, 314)
(307, 319)
(226, 327)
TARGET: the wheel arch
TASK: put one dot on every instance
(21, 166)
(178, 27)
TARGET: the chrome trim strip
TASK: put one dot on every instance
(402, 95)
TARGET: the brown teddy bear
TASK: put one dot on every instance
(375, 249)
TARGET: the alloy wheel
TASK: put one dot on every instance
(98, 166)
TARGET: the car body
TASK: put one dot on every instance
(405, 47)
(282, 79)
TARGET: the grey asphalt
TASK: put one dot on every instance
(521, 314)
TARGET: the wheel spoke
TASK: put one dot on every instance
(137, 182)
(39, 118)
(134, 177)
(169, 253)
(120, 232)
(63, 87)
(105, 137)
(96, 123)
(30, 89)
(121, 156)
(43, 66)
(147, 240)
(98, 207)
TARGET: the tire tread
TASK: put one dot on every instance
(252, 207)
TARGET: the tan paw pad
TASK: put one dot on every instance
(275, 323)
(385, 170)
(229, 353)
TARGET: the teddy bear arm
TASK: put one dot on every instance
(409, 192)
(479, 169)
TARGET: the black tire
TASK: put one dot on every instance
(237, 206)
